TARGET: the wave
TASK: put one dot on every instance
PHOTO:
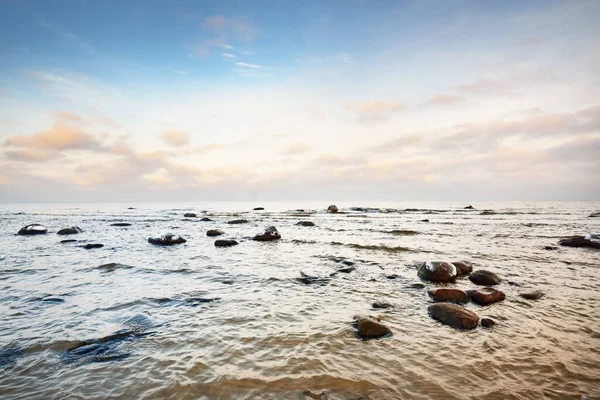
(388, 249)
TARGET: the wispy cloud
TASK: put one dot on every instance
(220, 31)
(228, 56)
(246, 65)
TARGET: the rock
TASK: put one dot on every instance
(453, 315)
(310, 279)
(594, 215)
(347, 270)
(424, 220)
(550, 248)
(68, 241)
(487, 322)
(463, 267)
(121, 224)
(532, 295)
(309, 394)
(167, 240)
(269, 234)
(332, 208)
(112, 267)
(392, 276)
(225, 243)
(93, 246)
(131, 208)
(592, 241)
(486, 295)
(371, 328)
(206, 219)
(238, 221)
(214, 232)
(306, 223)
(437, 271)
(258, 208)
(469, 207)
(381, 304)
(417, 285)
(487, 212)
(70, 231)
(449, 295)
(483, 277)
(33, 229)
(189, 215)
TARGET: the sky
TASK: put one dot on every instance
(376, 100)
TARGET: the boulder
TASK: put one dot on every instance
(417, 285)
(306, 223)
(486, 295)
(269, 234)
(453, 315)
(189, 215)
(469, 207)
(463, 268)
(93, 246)
(167, 240)
(238, 221)
(70, 231)
(225, 243)
(487, 322)
(592, 241)
(449, 295)
(332, 208)
(370, 328)
(381, 304)
(121, 224)
(214, 232)
(483, 277)
(33, 229)
(532, 295)
(437, 271)
(258, 208)
(206, 219)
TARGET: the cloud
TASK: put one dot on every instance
(248, 53)
(374, 110)
(221, 30)
(176, 138)
(67, 117)
(445, 100)
(246, 65)
(60, 137)
(29, 155)
(228, 56)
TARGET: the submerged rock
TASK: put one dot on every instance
(310, 279)
(424, 220)
(594, 215)
(483, 277)
(592, 241)
(469, 207)
(93, 246)
(206, 219)
(270, 233)
(463, 267)
(370, 328)
(417, 285)
(453, 315)
(238, 221)
(532, 295)
(189, 215)
(550, 248)
(437, 271)
(70, 231)
(486, 295)
(33, 229)
(214, 232)
(111, 267)
(332, 208)
(449, 295)
(225, 243)
(68, 241)
(167, 240)
(381, 304)
(258, 208)
(487, 322)
(306, 223)
(121, 224)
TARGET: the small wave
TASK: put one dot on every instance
(388, 249)
(300, 241)
(402, 232)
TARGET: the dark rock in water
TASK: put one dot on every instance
(214, 232)
(370, 328)
(453, 315)
(93, 246)
(533, 295)
(70, 231)
(381, 304)
(225, 243)
(437, 271)
(189, 215)
(269, 234)
(310, 279)
(392, 276)
(52, 299)
(131, 208)
(206, 219)
(332, 208)
(483, 277)
(449, 295)
(227, 282)
(592, 241)
(33, 229)
(463, 267)
(486, 295)
(238, 221)
(424, 220)
(258, 208)
(594, 215)
(417, 285)
(121, 224)
(550, 248)
(469, 207)
(167, 240)
(196, 301)
(306, 223)
(487, 212)
(9, 354)
(68, 241)
(487, 322)
(111, 267)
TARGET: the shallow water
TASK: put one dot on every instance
(236, 323)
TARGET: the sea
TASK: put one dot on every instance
(274, 320)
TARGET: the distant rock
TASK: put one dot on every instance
(167, 240)
(592, 241)
(487, 212)
(424, 220)
(131, 208)
(206, 219)
(550, 248)
(68, 241)
(417, 285)
(269, 234)
(347, 270)
(332, 208)
(238, 221)
(486, 295)
(306, 223)
(450, 295)
(437, 271)
(308, 279)
(70, 231)
(33, 229)
(381, 304)
(214, 232)
(453, 315)
(532, 295)
(463, 267)
(258, 208)
(111, 267)
(483, 277)
(487, 323)
(93, 246)
(121, 224)
(594, 215)
(225, 243)
(189, 215)
(469, 207)
(370, 328)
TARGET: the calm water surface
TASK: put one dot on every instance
(235, 323)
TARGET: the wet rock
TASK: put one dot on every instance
(417, 285)
(131, 208)
(189, 215)
(93, 246)
(258, 208)
(214, 232)
(437, 271)
(238, 221)
(68, 241)
(167, 240)
(33, 229)
(424, 220)
(486, 295)
(594, 215)
(550, 248)
(111, 267)
(487, 323)
(449, 295)
(225, 243)
(592, 241)
(269, 234)
(9, 355)
(483, 277)
(463, 267)
(381, 304)
(487, 212)
(370, 328)
(52, 299)
(121, 224)
(206, 219)
(227, 282)
(196, 301)
(453, 315)
(332, 208)
(392, 276)
(306, 223)
(347, 270)
(311, 279)
(532, 295)
(70, 231)
(312, 395)
(469, 207)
